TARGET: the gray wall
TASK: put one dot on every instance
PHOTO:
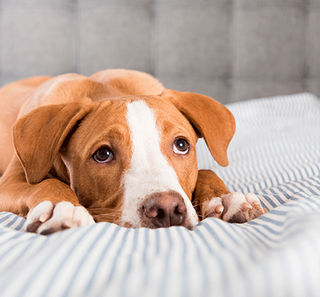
(230, 50)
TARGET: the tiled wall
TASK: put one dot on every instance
(231, 50)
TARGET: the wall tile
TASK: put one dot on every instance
(314, 4)
(269, 43)
(115, 34)
(258, 4)
(192, 41)
(39, 5)
(217, 89)
(250, 89)
(313, 86)
(313, 44)
(227, 49)
(182, 4)
(36, 37)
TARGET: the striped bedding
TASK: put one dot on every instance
(275, 153)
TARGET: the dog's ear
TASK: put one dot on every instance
(39, 135)
(213, 121)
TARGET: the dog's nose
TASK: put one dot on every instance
(164, 210)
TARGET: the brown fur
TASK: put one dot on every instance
(53, 140)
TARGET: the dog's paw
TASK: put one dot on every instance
(47, 218)
(234, 207)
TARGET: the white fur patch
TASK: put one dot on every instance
(247, 206)
(149, 170)
(233, 202)
(213, 207)
(63, 215)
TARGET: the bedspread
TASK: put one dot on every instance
(275, 154)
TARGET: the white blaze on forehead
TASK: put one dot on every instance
(149, 170)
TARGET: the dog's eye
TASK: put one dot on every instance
(103, 155)
(181, 146)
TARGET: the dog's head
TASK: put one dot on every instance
(131, 160)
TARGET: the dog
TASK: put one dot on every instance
(116, 146)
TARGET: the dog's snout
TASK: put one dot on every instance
(164, 210)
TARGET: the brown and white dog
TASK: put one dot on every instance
(116, 147)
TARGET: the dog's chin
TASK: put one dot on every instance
(127, 225)
(150, 225)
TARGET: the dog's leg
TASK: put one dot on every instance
(50, 205)
(212, 199)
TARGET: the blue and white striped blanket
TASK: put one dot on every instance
(276, 154)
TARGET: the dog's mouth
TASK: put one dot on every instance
(161, 210)
(155, 226)
(157, 210)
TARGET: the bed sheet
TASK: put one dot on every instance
(275, 153)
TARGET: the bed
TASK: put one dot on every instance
(275, 154)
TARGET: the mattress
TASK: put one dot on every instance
(275, 154)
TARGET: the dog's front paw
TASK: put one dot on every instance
(234, 207)
(47, 218)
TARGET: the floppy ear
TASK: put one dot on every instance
(39, 135)
(212, 120)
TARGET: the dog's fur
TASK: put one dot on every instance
(52, 127)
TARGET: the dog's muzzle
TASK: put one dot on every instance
(163, 210)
